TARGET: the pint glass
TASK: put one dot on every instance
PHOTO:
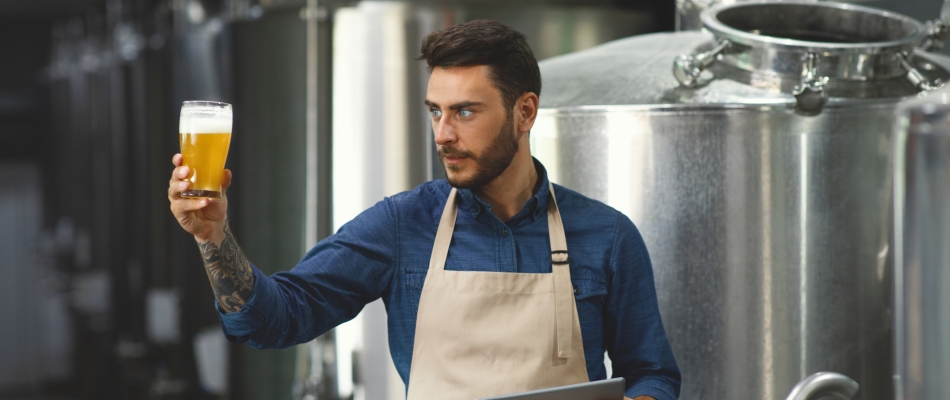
(204, 135)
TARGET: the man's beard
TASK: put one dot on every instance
(488, 165)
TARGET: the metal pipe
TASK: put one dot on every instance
(822, 384)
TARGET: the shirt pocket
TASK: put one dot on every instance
(589, 291)
(415, 280)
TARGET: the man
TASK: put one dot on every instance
(495, 281)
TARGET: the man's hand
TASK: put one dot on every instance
(203, 218)
(231, 275)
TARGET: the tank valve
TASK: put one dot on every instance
(914, 76)
(810, 95)
(687, 69)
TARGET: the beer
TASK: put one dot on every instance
(204, 136)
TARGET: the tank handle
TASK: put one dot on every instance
(824, 384)
(687, 68)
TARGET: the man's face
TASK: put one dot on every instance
(474, 133)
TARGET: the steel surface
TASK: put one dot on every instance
(922, 210)
(768, 233)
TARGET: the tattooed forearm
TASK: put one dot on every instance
(228, 270)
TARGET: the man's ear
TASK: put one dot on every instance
(526, 111)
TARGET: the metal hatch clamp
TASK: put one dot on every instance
(938, 30)
(914, 76)
(810, 95)
(688, 68)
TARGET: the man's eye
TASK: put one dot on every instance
(465, 113)
(436, 113)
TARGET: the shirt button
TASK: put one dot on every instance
(504, 233)
(474, 209)
(575, 290)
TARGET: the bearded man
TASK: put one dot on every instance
(495, 280)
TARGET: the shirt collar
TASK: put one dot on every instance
(534, 208)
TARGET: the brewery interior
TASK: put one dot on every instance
(103, 295)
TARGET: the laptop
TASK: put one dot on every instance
(609, 389)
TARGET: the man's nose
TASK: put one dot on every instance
(444, 132)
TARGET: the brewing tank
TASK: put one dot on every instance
(922, 244)
(756, 160)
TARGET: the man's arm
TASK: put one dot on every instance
(634, 335)
(231, 276)
(329, 286)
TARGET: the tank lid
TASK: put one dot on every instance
(826, 27)
(846, 42)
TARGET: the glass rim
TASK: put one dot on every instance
(205, 103)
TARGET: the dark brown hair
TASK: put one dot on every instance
(514, 70)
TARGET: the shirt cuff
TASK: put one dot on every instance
(238, 326)
(656, 388)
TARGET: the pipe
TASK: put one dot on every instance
(824, 384)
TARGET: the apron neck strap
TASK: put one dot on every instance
(443, 237)
(560, 267)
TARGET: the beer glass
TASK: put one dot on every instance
(204, 135)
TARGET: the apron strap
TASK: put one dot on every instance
(443, 237)
(563, 290)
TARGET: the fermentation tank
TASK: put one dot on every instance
(756, 160)
(922, 244)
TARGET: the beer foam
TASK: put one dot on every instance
(205, 117)
(202, 124)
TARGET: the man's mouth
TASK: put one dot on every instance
(454, 159)
(452, 156)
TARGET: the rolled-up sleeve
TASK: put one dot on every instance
(635, 338)
(330, 285)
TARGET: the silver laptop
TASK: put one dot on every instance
(610, 389)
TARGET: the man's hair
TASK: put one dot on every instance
(513, 68)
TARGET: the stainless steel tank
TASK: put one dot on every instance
(759, 172)
(922, 248)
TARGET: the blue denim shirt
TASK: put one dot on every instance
(384, 253)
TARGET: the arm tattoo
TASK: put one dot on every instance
(229, 271)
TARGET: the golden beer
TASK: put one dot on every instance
(205, 137)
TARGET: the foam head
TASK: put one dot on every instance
(205, 117)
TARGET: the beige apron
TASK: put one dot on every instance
(482, 334)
